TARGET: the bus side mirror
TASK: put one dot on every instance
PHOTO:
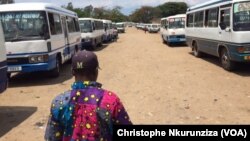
(223, 26)
(166, 26)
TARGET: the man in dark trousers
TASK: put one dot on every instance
(87, 112)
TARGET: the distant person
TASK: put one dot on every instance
(87, 112)
(145, 29)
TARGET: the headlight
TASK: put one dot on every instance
(38, 58)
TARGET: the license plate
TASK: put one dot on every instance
(182, 39)
(14, 69)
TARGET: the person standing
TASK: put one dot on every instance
(87, 112)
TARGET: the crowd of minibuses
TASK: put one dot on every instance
(41, 37)
(151, 28)
(218, 27)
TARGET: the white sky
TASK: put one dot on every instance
(128, 6)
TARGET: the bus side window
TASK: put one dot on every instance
(225, 18)
(93, 25)
(52, 24)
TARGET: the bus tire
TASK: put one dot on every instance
(94, 45)
(100, 44)
(226, 63)
(56, 71)
(163, 41)
(196, 51)
(169, 44)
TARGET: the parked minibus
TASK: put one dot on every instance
(92, 32)
(108, 30)
(173, 29)
(220, 28)
(39, 36)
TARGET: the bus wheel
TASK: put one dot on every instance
(56, 71)
(226, 63)
(163, 41)
(169, 44)
(100, 44)
(196, 51)
(93, 47)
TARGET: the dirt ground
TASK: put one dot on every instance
(157, 84)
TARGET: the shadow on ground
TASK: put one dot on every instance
(40, 78)
(242, 69)
(102, 47)
(11, 117)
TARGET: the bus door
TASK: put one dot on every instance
(66, 52)
(225, 27)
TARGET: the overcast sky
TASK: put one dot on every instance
(128, 6)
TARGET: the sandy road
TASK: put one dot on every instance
(157, 84)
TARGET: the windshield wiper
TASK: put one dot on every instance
(19, 38)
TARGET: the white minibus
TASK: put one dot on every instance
(108, 30)
(173, 29)
(220, 28)
(39, 36)
(120, 27)
(91, 32)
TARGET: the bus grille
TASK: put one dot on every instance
(17, 61)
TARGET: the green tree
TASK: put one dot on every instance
(113, 14)
(116, 15)
(172, 8)
(88, 10)
(145, 14)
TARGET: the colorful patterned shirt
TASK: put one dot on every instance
(86, 113)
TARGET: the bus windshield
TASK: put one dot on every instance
(120, 25)
(85, 26)
(154, 26)
(241, 16)
(176, 23)
(18, 26)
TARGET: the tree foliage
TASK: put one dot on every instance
(146, 14)
(113, 14)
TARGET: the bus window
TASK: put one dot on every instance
(211, 18)
(85, 26)
(23, 25)
(190, 20)
(241, 16)
(71, 24)
(225, 17)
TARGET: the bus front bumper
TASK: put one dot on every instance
(238, 57)
(32, 67)
(176, 39)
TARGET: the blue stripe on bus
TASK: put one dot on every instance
(3, 76)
